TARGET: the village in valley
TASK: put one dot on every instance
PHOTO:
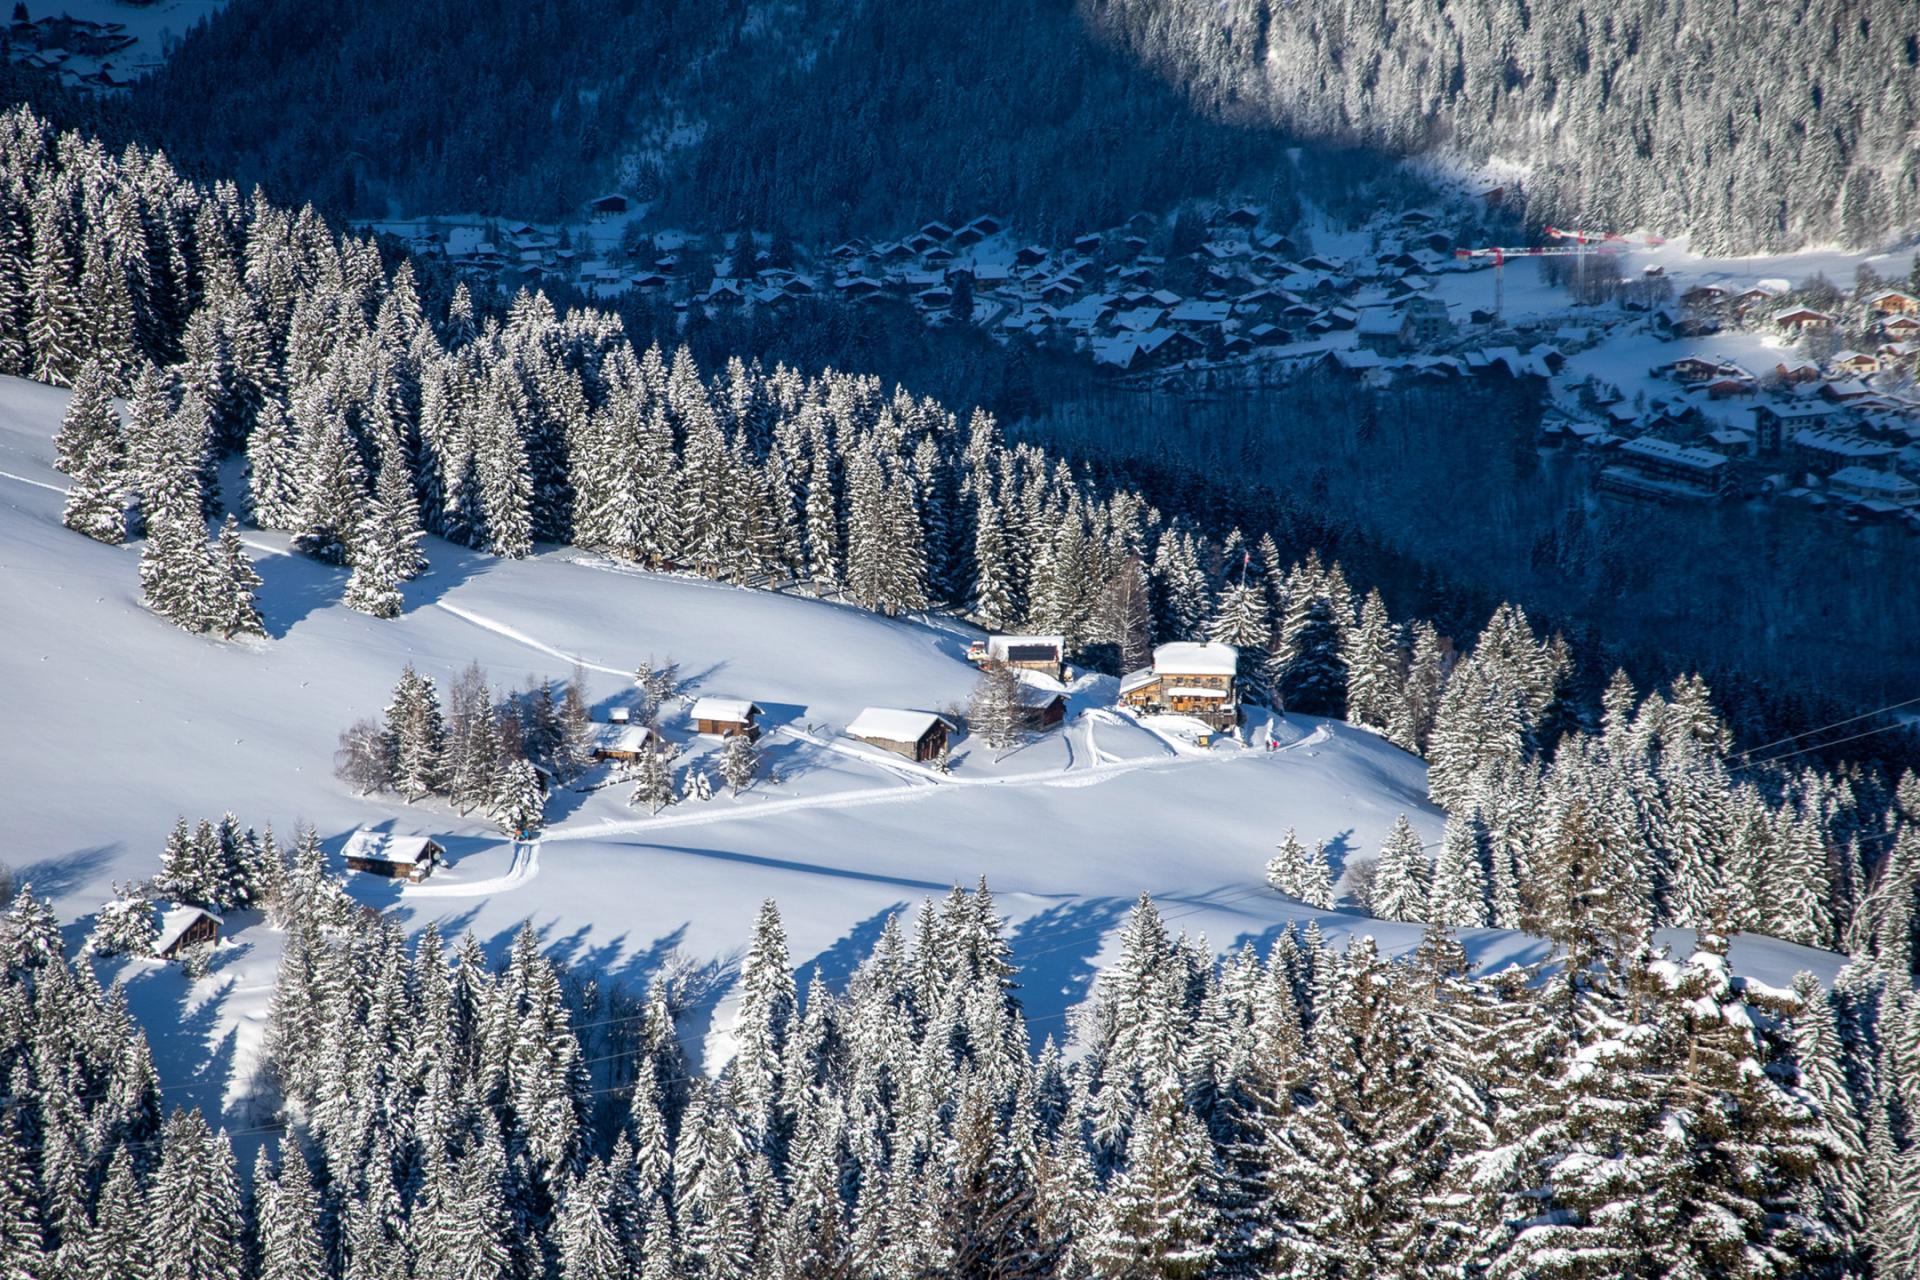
(1679, 379)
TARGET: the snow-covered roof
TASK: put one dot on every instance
(175, 919)
(624, 738)
(890, 724)
(1678, 455)
(1005, 648)
(1797, 412)
(384, 846)
(1136, 679)
(1866, 478)
(1182, 657)
(1838, 444)
(1378, 320)
(733, 710)
(1193, 691)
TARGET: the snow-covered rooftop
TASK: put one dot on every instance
(385, 846)
(890, 724)
(1187, 658)
(625, 738)
(733, 710)
(175, 919)
(1019, 648)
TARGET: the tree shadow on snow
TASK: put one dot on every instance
(836, 964)
(57, 876)
(810, 868)
(293, 588)
(449, 565)
(1055, 950)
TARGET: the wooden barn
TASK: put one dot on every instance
(724, 717)
(625, 742)
(917, 735)
(1042, 708)
(382, 853)
(182, 925)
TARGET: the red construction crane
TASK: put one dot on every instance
(1607, 237)
(1585, 242)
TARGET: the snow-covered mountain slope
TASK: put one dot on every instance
(117, 723)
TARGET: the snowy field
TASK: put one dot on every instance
(118, 723)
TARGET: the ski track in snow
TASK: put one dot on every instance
(38, 484)
(520, 637)
(520, 872)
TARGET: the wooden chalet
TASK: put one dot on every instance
(1188, 679)
(182, 925)
(1801, 319)
(724, 717)
(1856, 362)
(917, 735)
(1894, 301)
(625, 743)
(383, 853)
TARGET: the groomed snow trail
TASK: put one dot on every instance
(520, 872)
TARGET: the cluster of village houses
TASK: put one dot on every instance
(1832, 426)
(1194, 680)
(1108, 295)
(82, 52)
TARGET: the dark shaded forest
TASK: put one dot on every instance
(1751, 126)
(826, 118)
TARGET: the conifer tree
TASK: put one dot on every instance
(55, 327)
(416, 736)
(96, 505)
(1459, 894)
(1156, 1219)
(1401, 885)
(22, 1238)
(1308, 670)
(760, 1024)
(653, 782)
(287, 1218)
(1286, 868)
(1242, 620)
(175, 567)
(1375, 687)
(739, 762)
(1316, 878)
(234, 593)
(89, 419)
(588, 1247)
(995, 711)
(273, 469)
(117, 1245)
(195, 1223)
(519, 799)
(333, 490)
